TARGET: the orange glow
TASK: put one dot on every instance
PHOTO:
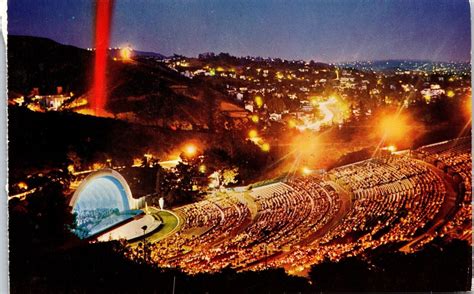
(469, 105)
(137, 162)
(126, 54)
(392, 148)
(22, 185)
(97, 166)
(190, 150)
(306, 171)
(88, 111)
(292, 123)
(148, 156)
(306, 145)
(394, 127)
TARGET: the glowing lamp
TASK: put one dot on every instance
(252, 134)
(305, 171)
(190, 150)
(259, 101)
(148, 156)
(126, 54)
(265, 147)
(22, 185)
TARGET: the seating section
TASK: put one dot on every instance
(456, 158)
(402, 201)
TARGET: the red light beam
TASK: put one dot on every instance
(102, 38)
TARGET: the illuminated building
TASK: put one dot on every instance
(102, 201)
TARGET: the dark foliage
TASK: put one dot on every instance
(438, 267)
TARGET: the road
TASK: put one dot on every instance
(327, 119)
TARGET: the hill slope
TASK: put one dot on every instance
(143, 91)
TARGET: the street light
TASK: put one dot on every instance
(190, 150)
(253, 134)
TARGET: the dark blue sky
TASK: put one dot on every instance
(322, 30)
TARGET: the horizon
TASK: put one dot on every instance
(324, 31)
(263, 57)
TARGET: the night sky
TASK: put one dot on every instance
(322, 30)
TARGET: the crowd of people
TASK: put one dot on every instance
(456, 159)
(392, 201)
(87, 220)
(349, 210)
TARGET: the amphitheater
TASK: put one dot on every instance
(402, 200)
(105, 209)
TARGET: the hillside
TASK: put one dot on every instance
(142, 91)
(40, 141)
(42, 63)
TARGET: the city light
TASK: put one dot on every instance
(268, 162)
(148, 155)
(259, 101)
(253, 134)
(126, 54)
(137, 162)
(450, 93)
(306, 171)
(392, 148)
(254, 118)
(22, 185)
